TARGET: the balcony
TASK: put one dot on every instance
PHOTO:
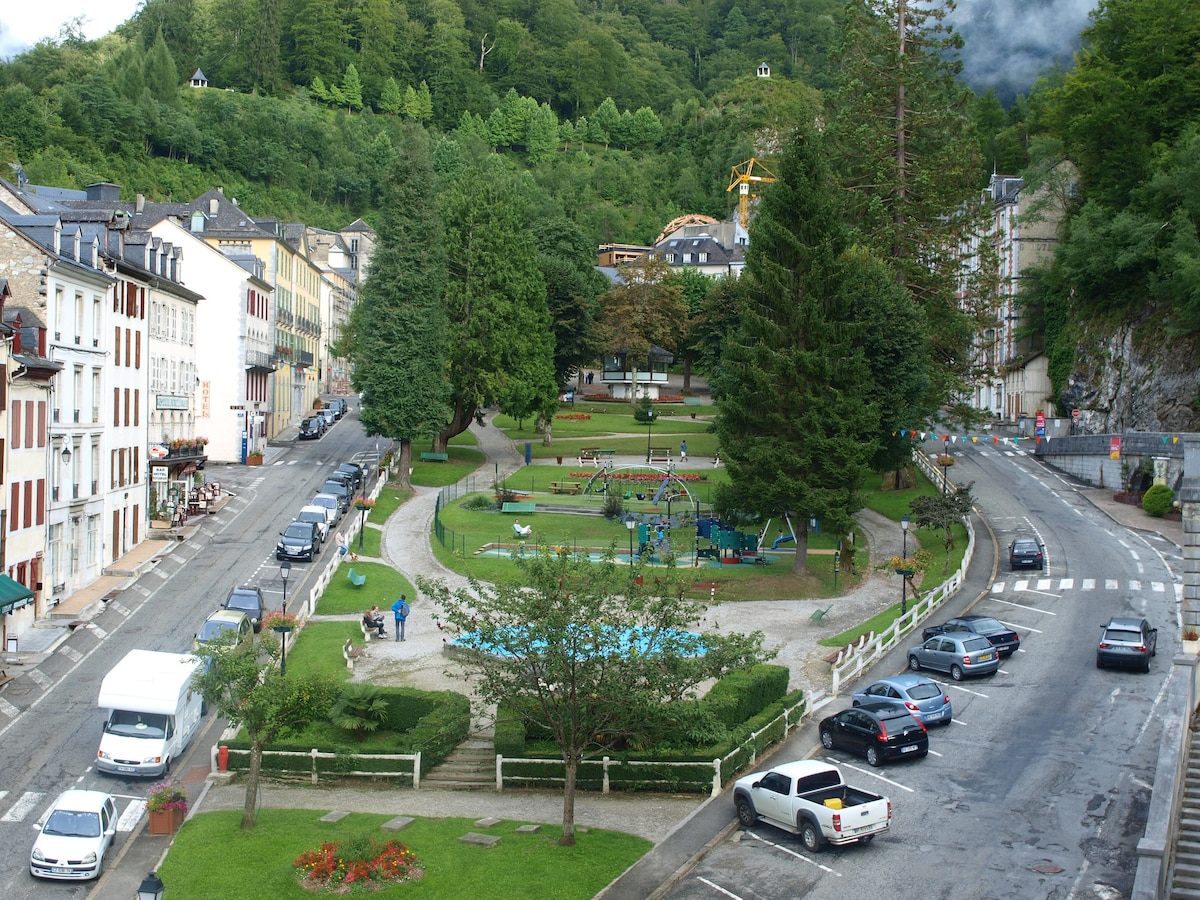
(261, 360)
(304, 359)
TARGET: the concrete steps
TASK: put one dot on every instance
(471, 766)
(1185, 871)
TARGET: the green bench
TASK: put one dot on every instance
(519, 507)
(593, 455)
(434, 457)
(819, 614)
(356, 579)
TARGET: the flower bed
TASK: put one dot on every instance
(573, 417)
(640, 477)
(165, 798)
(279, 619)
(363, 860)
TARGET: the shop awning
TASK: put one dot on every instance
(13, 595)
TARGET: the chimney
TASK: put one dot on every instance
(104, 191)
(141, 203)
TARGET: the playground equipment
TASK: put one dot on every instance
(729, 545)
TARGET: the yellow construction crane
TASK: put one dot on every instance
(744, 175)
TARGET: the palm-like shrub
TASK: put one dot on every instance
(361, 709)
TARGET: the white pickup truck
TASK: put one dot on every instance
(809, 798)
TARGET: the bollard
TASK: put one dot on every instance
(222, 759)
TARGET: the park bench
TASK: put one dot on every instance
(369, 631)
(818, 615)
(519, 507)
(594, 455)
(660, 455)
(350, 653)
(356, 579)
(565, 487)
(426, 456)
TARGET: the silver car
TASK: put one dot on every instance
(922, 697)
(960, 655)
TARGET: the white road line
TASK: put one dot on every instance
(1141, 569)
(1043, 584)
(1134, 553)
(1089, 584)
(998, 587)
(123, 610)
(1134, 584)
(1021, 584)
(128, 820)
(22, 807)
(718, 888)
(41, 679)
(1022, 606)
(872, 773)
(157, 574)
(70, 653)
(8, 709)
(144, 591)
(1110, 584)
(1157, 586)
(100, 633)
(934, 753)
(1014, 626)
(790, 852)
(959, 687)
(1066, 584)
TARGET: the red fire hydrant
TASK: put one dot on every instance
(222, 759)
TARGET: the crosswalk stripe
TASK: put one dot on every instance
(70, 653)
(1089, 584)
(22, 807)
(1157, 586)
(1068, 584)
(1135, 585)
(1110, 584)
(39, 678)
(128, 820)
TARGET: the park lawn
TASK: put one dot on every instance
(571, 435)
(368, 542)
(384, 586)
(212, 857)
(463, 461)
(390, 499)
(317, 649)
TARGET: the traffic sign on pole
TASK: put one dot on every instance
(1075, 415)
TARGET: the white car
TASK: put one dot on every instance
(77, 832)
(321, 515)
(329, 502)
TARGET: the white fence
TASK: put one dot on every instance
(354, 525)
(314, 754)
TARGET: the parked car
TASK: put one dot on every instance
(320, 516)
(338, 406)
(330, 502)
(1026, 553)
(330, 418)
(221, 623)
(880, 732)
(355, 473)
(923, 697)
(808, 797)
(960, 655)
(1004, 639)
(250, 601)
(1127, 642)
(339, 490)
(78, 831)
(346, 478)
(299, 540)
(312, 428)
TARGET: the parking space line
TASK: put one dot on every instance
(1030, 608)
(1014, 626)
(870, 772)
(963, 689)
(790, 852)
(718, 888)
(1066, 584)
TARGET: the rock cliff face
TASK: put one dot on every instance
(1134, 377)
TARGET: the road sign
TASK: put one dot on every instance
(1075, 415)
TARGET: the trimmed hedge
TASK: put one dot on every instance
(1157, 500)
(744, 694)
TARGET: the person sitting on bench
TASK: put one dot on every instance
(373, 618)
(521, 530)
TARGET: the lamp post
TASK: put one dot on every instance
(649, 423)
(837, 558)
(283, 631)
(285, 569)
(945, 466)
(151, 887)
(362, 525)
(630, 523)
(904, 556)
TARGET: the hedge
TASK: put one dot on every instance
(745, 693)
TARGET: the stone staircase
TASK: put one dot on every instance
(1185, 872)
(471, 766)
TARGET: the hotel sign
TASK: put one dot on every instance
(165, 401)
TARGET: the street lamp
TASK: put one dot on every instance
(837, 559)
(945, 462)
(283, 631)
(151, 887)
(285, 569)
(650, 414)
(904, 562)
(362, 525)
(66, 451)
(630, 523)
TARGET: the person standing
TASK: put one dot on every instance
(401, 609)
(683, 451)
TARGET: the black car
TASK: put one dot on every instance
(312, 428)
(879, 731)
(340, 490)
(250, 601)
(300, 540)
(1004, 639)
(354, 472)
(338, 407)
(1127, 642)
(1026, 553)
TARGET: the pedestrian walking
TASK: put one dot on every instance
(401, 609)
(683, 451)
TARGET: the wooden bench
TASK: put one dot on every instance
(519, 507)
(356, 579)
(660, 455)
(434, 457)
(594, 455)
(350, 653)
(566, 487)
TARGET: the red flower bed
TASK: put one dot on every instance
(332, 866)
(638, 477)
(573, 417)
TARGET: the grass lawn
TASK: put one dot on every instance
(212, 857)
(463, 461)
(390, 499)
(383, 586)
(371, 539)
(675, 423)
(318, 648)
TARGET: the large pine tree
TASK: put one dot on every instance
(795, 419)
(397, 331)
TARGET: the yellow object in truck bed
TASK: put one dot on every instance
(834, 802)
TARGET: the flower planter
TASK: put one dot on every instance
(165, 821)
(254, 460)
(907, 573)
(1192, 648)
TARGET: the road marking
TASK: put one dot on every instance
(1043, 584)
(1023, 606)
(1157, 586)
(1015, 626)
(934, 753)
(8, 709)
(123, 610)
(39, 678)
(70, 653)
(1021, 585)
(1110, 584)
(144, 591)
(718, 888)
(22, 807)
(1134, 553)
(1089, 584)
(964, 690)
(128, 820)
(1134, 584)
(1141, 569)
(100, 633)
(157, 574)
(790, 852)
(871, 772)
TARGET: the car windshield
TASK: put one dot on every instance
(334, 487)
(210, 631)
(243, 601)
(126, 723)
(924, 691)
(299, 530)
(1122, 636)
(987, 626)
(1025, 546)
(978, 643)
(68, 823)
(899, 723)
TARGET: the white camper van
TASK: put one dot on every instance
(153, 712)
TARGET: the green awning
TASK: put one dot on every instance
(13, 595)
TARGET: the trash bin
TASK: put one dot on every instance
(528, 453)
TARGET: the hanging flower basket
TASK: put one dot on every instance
(904, 565)
(364, 503)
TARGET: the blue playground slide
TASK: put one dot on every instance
(782, 539)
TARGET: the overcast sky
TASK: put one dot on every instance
(25, 22)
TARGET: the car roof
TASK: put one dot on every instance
(78, 800)
(232, 617)
(1124, 622)
(324, 496)
(246, 589)
(904, 681)
(884, 708)
(1027, 540)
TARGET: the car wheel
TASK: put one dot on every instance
(1099, 664)
(745, 811)
(956, 673)
(914, 664)
(1146, 667)
(811, 837)
(867, 839)
(873, 757)
(827, 740)
(167, 767)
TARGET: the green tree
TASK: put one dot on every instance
(162, 79)
(247, 689)
(352, 88)
(317, 41)
(555, 650)
(396, 336)
(391, 101)
(795, 426)
(265, 41)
